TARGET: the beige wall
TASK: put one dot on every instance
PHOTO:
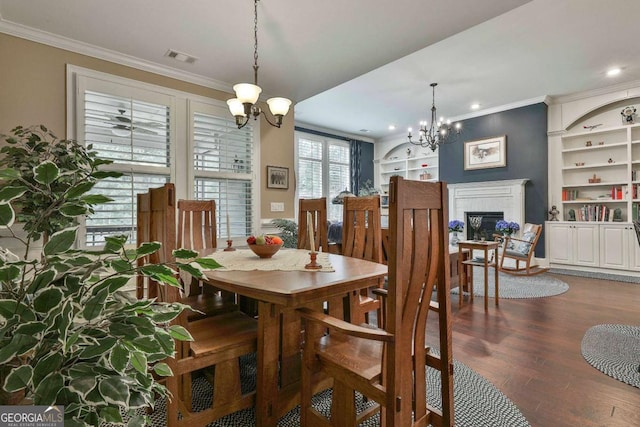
(33, 91)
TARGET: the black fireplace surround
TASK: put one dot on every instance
(488, 224)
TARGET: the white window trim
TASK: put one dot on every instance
(180, 131)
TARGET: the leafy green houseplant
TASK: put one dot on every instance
(69, 334)
(288, 231)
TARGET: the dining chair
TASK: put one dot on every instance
(388, 365)
(318, 210)
(218, 341)
(197, 231)
(362, 238)
(521, 249)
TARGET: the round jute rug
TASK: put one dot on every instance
(615, 351)
(510, 286)
(477, 402)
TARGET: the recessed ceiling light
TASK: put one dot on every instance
(392, 127)
(475, 106)
(613, 72)
(365, 130)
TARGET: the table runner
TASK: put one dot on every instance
(284, 259)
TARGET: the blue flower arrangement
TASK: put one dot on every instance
(507, 227)
(455, 225)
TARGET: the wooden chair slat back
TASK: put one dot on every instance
(197, 224)
(418, 262)
(143, 231)
(318, 210)
(361, 228)
(156, 222)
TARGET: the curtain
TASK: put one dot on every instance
(356, 155)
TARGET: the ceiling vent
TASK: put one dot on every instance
(182, 57)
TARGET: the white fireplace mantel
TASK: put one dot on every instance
(490, 196)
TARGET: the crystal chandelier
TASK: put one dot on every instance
(243, 106)
(438, 132)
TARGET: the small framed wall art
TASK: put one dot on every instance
(485, 153)
(277, 177)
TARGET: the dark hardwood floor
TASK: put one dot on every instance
(530, 350)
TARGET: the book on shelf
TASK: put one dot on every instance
(619, 192)
(568, 195)
(595, 213)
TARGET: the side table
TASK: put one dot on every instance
(485, 247)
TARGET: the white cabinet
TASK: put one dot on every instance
(619, 247)
(573, 243)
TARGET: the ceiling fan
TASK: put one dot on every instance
(123, 125)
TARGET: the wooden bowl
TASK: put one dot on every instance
(265, 251)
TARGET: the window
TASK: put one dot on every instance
(136, 135)
(323, 169)
(223, 169)
(156, 135)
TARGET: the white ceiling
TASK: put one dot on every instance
(359, 64)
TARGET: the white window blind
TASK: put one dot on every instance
(118, 217)
(310, 154)
(323, 170)
(135, 135)
(223, 158)
(339, 175)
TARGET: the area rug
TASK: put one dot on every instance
(615, 351)
(510, 286)
(477, 402)
(597, 275)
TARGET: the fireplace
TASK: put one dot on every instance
(506, 197)
(488, 225)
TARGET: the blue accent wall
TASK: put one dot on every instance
(366, 164)
(527, 154)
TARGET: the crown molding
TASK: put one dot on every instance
(561, 99)
(334, 132)
(500, 108)
(480, 113)
(54, 40)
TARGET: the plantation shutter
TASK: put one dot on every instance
(310, 154)
(323, 169)
(339, 175)
(136, 136)
(223, 158)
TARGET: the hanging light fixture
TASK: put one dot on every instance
(243, 106)
(438, 132)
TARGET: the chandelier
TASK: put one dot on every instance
(438, 132)
(243, 106)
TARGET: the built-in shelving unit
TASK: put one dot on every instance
(594, 172)
(598, 170)
(422, 167)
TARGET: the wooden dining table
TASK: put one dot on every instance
(278, 293)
